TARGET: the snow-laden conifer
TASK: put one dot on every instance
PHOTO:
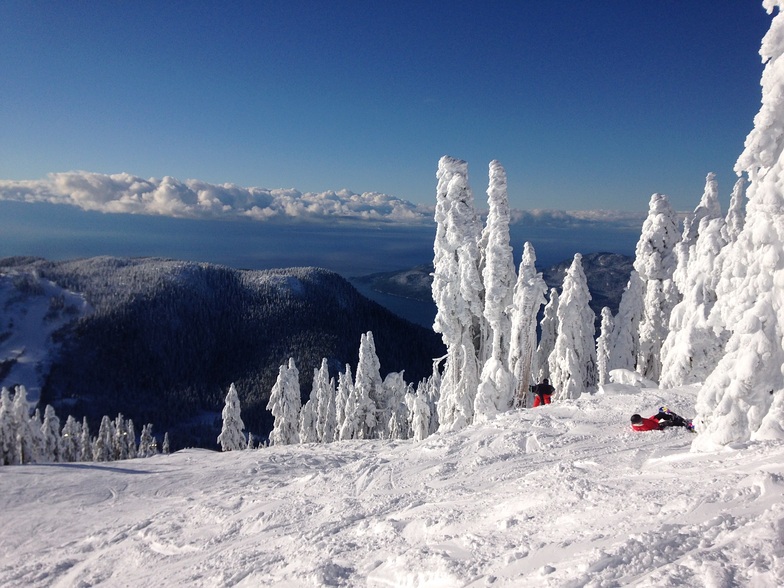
(457, 292)
(625, 340)
(324, 391)
(24, 434)
(372, 412)
(743, 398)
(603, 347)
(573, 360)
(736, 214)
(71, 440)
(104, 442)
(420, 410)
(308, 432)
(285, 404)
(37, 434)
(50, 429)
(85, 443)
(166, 448)
(549, 329)
(692, 348)
(8, 429)
(146, 441)
(344, 406)
(396, 390)
(529, 296)
(655, 262)
(232, 435)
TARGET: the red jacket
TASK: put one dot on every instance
(649, 424)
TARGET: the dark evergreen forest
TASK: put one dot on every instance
(167, 338)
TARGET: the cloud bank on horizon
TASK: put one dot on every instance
(125, 193)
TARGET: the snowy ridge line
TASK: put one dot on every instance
(564, 495)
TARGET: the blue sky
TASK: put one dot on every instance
(587, 104)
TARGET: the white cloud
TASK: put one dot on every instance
(128, 194)
(124, 193)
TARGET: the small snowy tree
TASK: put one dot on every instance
(625, 340)
(573, 360)
(50, 429)
(8, 429)
(232, 435)
(603, 346)
(308, 432)
(146, 441)
(85, 443)
(104, 442)
(343, 428)
(285, 404)
(71, 440)
(166, 448)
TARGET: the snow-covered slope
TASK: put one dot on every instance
(32, 310)
(564, 495)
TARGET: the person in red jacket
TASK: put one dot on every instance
(663, 419)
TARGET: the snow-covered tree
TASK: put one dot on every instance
(457, 291)
(104, 442)
(420, 411)
(24, 434)
(603, 346)
(130, 430)
(573, 360)
(529, 296)
(232, 435)
(147, 445)
(372, 412)
(692, 347)
(324, 393)
(85, 443)
(625, 341)
(655, 262)
(71, 440)
(396, 391)
(285, 404)
(498, 273)
(743, 398)
(345, 428)
(166, 448)
(8, 428)
(308, 432)
(50, 429)
(549, 329)
(736, 214)
(496, 384)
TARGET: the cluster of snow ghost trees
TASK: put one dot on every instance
(26, 439)
(364, 406)
(487, 311)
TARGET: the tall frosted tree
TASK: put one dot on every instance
(603, 347)
(743, 398)
(496, 386)
(549, 328)
(529, 296)
(345, 428)
(457, 291)
(86, 446)
(285, 404)
(655, 262)
(232, 435)
(308, 432)
(573, 360)
(104, 442)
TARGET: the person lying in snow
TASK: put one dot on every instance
(663, 419)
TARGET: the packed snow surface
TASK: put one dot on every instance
(562, 495)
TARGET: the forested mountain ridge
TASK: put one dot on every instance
(166, 338)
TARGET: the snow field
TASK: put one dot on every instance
(564, 495)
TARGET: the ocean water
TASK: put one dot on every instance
(63, 232)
